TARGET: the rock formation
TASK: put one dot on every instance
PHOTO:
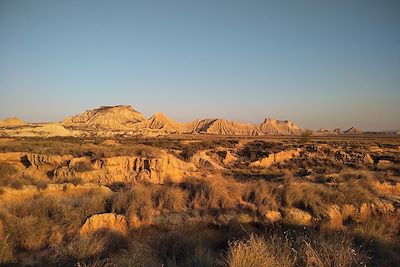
(353, 130)
(338, 131)
(127, 119)
(9, 122)
(106, 221)
(37, 130)
(276, 158)
(108, 117)
(123, 120)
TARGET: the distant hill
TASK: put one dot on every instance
(126, 118)
(11, 122)
(353, 130)
(110, 117)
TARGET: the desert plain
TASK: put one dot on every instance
(109, 187)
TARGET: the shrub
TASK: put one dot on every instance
(305, 136)
(146, 151)
(83, 166)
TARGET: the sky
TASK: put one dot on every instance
(318, 63)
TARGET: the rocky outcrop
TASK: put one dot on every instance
(38, 160)
(273, 126)
(202, 160)
(341, 155)
(106, 221)
(229, 158)
(276, 158)
(157, 170)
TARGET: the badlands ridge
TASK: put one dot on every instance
(123, 120)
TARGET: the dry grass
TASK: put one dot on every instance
(384, 229)
(46, 221)
(172, 198)
(336, 250)
(137, 200)
(213, 193)
(77, 147)
(29, 232)
(88, 248)
(7, 170)
(49, 226)
(294, 248)
(9, 176)
(260, 252)
(316, 197)
(260, 194)
(7, 254)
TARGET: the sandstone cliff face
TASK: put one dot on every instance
(272, 126)
(39, 161)
(160, 169)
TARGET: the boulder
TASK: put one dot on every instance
(368, 159)
(106, 221)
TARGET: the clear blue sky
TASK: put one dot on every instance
(319, 63)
